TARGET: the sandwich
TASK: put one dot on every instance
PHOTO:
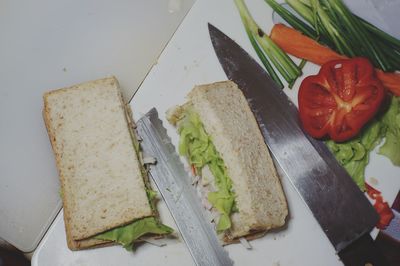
(220, 139)
(105, 190)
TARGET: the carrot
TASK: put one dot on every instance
(295, 43)
(194, 170)
(390, 80)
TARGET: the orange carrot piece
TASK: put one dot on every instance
(194, 170)
(390, 80)
(295, 43)
(299, 45)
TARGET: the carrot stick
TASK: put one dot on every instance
(295, 43)
(193, 170)
(389, 80)
(299, 45)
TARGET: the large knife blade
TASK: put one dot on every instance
(173, 183)
(341, 209)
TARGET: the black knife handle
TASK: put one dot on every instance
(363, 252)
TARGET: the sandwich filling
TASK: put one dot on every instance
(196, 145)
(126, 235)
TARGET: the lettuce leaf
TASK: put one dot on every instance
(223, 201)
(391, 120)
(151, 195)
(128, 234)
(353, 155)
(197, 146)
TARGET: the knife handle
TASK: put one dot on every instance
(363, 252)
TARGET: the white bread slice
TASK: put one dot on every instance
(101, 181)
(228, 120)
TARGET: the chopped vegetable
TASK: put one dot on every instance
(294, 21)
(340, 99)
(391, 121)
(193, 168)
(326, 30)
(267, 50)
(353, 155)
(151, 195)
(381, 206)
(197, 146)
(128, 234)
(349, 153)
(333, 24)
(295, 43)
(391, 81)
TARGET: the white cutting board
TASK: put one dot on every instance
(188, 60)
(49, 44)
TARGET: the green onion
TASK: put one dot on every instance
(293, 21)
(303, 8)
(380, 34)
(267, 50)
(264, 59)
(301, 66)
(329, 26)
(361, 35)
(331, 23)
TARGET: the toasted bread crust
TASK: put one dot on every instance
(87, 243)
(227, 240)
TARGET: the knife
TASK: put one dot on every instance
(344, 213)
(179, 195)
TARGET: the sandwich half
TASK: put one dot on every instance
(221, 140)
(104, 186)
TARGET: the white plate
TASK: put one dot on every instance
(188, 60)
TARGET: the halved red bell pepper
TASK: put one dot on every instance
(381, 207)
(340, 99)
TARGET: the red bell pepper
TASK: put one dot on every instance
(295, 43)
(340, 99)
(381, 207)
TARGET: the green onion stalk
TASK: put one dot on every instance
(269, 53)
(331, 23)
